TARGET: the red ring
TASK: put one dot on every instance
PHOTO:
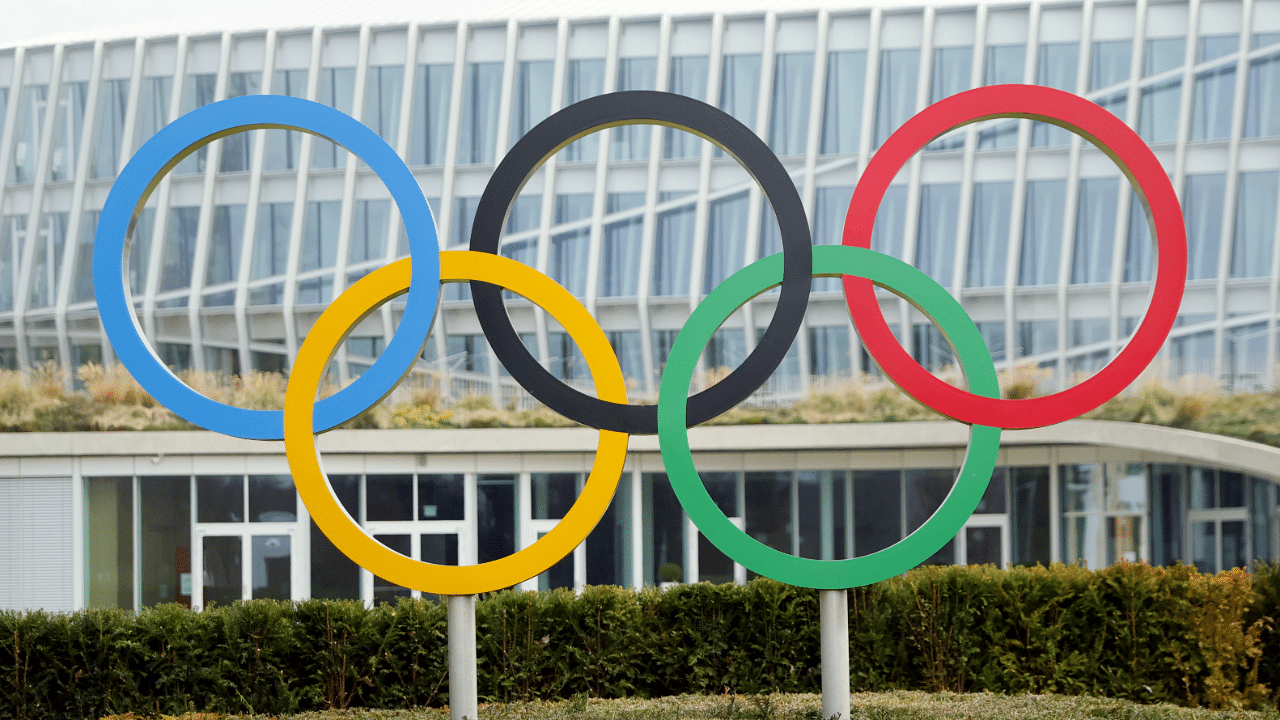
(1138, 163)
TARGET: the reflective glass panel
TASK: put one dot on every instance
(272, 563)
(272, 499)
(842, 106)
(220, 499)
(223, 574)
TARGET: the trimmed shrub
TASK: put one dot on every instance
(1129, 631)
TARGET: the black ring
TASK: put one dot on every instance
(631, 108)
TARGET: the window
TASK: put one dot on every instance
(688, 78)
(1245, 361)
(951, 75)
(179, 248)
(164, 516)
(153, 108)
(671, 261)
(740, 89)
(842, 106)
(1262, 109)
(338, 91)
(566, 361)
(899, 71)
(792, 88)
(768, 509)
(197, 91)
(13, 236)
(830, 206)
(46, 267)
(1095, 230)
(726, 239)
(1212, 47)
(284, 146)
(1215, 93)
(370, 221)
(989, 234)
(1036, 337)
(1056, 69)
(271, 245)
(631, 142)
(621, 258)
(925, 491)
(568, 260)
(108, 135)
(532, 100)
(829, 351)
(1110, 64)
(1004, 66)
(237, 148)
(1192, 354)
(1138, 254)
(662, 529)
(1158, 111)
(1117, 103)
(320, 235)
(1103, 508)
(83, 287)
(139, 251)
(626, 345)
(1202, 201)
(1163, 54)
(68, 124)
(622, 201)
(1255, 224)
(930, 348)
(877, 510)
(26, 133)
(481, 94)
(469, 353)
(525, 214)
(224, 244)
(109, 555)
(382, 91)
(936, 238)
(586, 80)
(433, 85)
(891, 222)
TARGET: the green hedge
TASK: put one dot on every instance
(1129, 631)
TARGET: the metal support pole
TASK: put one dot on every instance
(462, 658)
(833, 613)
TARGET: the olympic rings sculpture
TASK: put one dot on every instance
(420, 275)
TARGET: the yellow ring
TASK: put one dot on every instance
(323, 340)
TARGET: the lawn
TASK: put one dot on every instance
(877, 706)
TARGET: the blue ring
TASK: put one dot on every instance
(197, 128)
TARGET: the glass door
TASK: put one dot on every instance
(984, 540)
(246, 533)
(225, 576)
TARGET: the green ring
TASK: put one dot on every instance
(980, 460)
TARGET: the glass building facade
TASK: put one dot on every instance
(1036, 232)
(89, 522)
(245, 241)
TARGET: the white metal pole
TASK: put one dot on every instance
(462, 658)
(833, 614)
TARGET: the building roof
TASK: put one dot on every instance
(157, 18)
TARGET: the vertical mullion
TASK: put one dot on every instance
(1230, 197)
(644, 283)
(248, 237)
(21, 290)
(204, 223)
